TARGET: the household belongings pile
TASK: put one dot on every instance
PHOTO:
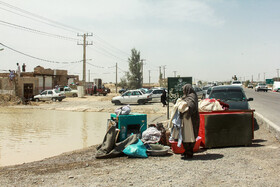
(132, 146)
(154, 142)
(209, 105)
(181, 128)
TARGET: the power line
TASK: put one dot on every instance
(61, 26)
(106, 53)
(40, 21)
(100, 66)
(41, 59)
(36, 31)
(106, 46)
(40, 17)
(122, 70)
(99, 38)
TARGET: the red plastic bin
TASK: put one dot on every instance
(180, 150)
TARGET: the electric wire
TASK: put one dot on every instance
(39, 17)
(37, 31)
(57, 25)
(99, 38)
(41, 59)
(61, 26)
(40, 21)
(107, 54)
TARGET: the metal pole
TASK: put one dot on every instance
(84, 61)
(149, 78)
(116, 77)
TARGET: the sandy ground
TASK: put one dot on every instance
(256, 165)
(94, 104)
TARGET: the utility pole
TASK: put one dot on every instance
(252, 78)
(164, 72)
(174, 73)
(89, 75)
(85, 43)
(264, 76)
(277, 73)
(116, 77)
(142, 70)
(159, 72)
(149, 78)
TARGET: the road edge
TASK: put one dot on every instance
(272, 127)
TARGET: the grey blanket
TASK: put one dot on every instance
(110, 149)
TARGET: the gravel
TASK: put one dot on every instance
(256, 165)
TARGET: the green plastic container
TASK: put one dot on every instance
(133, 123)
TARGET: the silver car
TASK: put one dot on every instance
(48, 95)
(156, 94)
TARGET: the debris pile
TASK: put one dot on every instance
(8, 99)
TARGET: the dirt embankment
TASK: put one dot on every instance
(9, 100)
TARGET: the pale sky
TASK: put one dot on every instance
(210, 40)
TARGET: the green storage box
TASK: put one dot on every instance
(133, 123)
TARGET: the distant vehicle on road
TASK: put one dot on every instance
(250, 86)
(132, 97)
(204, 89)
(236, 83)
(156, 93)
(234, 96)
(261, 87)
(48, 95)
(206, 95)
(199, 92)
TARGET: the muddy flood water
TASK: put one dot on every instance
(30, 135)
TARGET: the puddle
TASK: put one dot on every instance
(30, 135)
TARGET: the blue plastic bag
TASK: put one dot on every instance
(137, 150)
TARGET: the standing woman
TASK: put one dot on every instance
(190, 120)
(163, 98)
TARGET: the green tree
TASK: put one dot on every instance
(134, 76)
(123, 83)
(246, 83)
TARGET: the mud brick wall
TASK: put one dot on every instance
(27, 80)
(7, 86)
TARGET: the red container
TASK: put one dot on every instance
(180, 150)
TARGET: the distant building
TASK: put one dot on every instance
(29, 84)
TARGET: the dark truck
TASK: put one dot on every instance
(96, 88)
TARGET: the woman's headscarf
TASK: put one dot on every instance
(190, 96)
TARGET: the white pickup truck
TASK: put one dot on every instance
(69, 92)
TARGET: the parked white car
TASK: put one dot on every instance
(156, 93)
(48, 95)
(132, 97)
